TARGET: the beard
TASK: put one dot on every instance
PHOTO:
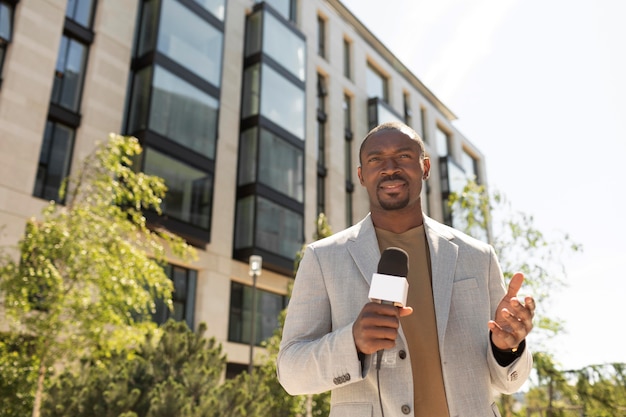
(393, 205)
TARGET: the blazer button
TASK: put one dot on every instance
(402, 354)
(406, 409)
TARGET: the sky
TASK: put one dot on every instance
(539, 86)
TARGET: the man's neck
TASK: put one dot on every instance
(397, 221)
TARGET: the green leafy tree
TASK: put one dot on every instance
(173, 372)
(520, 246)
(88, 272)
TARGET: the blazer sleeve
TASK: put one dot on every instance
(505, 379)
(314, 356)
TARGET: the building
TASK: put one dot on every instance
(252, 112)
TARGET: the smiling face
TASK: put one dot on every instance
(392, 169)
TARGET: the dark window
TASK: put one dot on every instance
(69, 74)
(183, 297)
(321, 36)
(268, 307)
(376, 84)
(347, 58)
(54, 160)
(177, 110)
(286, 8)
(80, 11)
(216, 7)
(442, 139)
(285, 109)
(349, 168)
(424, 120)
(266, 225)
(408, 113)
(321, 143)
(6, 30)
(189, 190)
(280, 163)
(191, 41)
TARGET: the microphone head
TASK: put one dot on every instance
(394, 261)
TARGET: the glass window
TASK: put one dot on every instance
(279, 42)
(277, 229)
(376, 84)
(347, 57)
(189, 190)
(183, 113)
(6, 22)
(183, 297)
(470, 165)
(281, 166)
(69, 73)
(268, 308)
(6, 30)
(54, 160)
(424, 120)
(148, 27)
(216, 7)
(442, 138)
(283, 7)
(285, 109)
(321, 36)
(80, 11)
(251, 91)
(139, 101)
(191, 41)
(408, 113)
(244, 225)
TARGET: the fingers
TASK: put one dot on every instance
(515, 284)
(376, 327)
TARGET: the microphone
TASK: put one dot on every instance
(389, 284)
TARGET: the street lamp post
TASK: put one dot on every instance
(256, 262)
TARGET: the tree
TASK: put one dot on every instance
(520, 246)
(88, 273)
(173, 372)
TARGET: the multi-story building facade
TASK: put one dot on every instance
(252, 112)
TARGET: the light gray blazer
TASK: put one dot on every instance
(318, 353)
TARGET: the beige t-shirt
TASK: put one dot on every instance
(420, 328)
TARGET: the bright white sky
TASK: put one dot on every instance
(539, 86)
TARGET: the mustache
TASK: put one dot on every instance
(392, 177)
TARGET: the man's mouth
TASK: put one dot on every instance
(391, 185)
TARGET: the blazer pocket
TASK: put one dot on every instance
(351, 410)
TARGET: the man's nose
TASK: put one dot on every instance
(390, 166)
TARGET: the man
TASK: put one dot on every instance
(461, 335)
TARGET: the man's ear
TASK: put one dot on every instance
(359, 174)
(426, 168)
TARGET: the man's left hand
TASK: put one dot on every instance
(514, 319)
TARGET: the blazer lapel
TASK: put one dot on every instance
(363, 247)
(443, 257)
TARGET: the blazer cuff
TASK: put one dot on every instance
(506, 357)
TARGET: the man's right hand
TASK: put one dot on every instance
(377, 325)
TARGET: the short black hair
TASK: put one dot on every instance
(395, 126)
